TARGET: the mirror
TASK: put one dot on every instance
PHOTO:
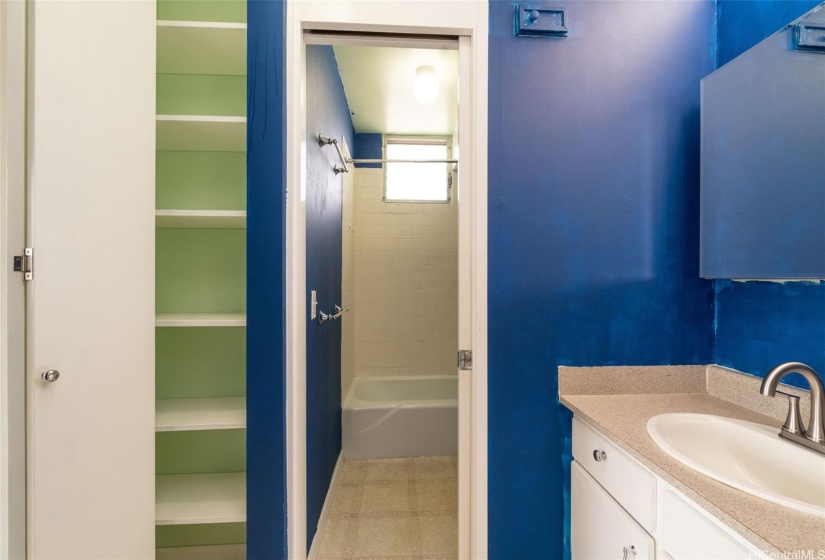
(763, 158)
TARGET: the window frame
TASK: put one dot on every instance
(434, 140)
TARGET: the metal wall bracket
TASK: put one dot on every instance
(25, 263)
(540, 20)
(809, 37)
(324, 141)
(465, 359)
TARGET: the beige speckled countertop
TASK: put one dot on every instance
(623, 419)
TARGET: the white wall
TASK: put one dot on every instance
(406, 283)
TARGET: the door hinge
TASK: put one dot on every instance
(465, 359)
(24, 263)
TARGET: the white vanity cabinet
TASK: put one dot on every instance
(600, 527)
(621, 510)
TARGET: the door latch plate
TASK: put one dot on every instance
(23, 263)
(465, 359)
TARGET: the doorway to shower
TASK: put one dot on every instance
(466, 197)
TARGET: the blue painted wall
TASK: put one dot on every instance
(593, 230)
(369, 146)
(743, 23)
(327, 114)
(266, 268)
(593, 248)
(761, 324)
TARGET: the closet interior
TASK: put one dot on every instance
(200, 336)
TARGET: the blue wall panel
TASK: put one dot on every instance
(761, 324)
(369, 146)
(266, 311)
(327, 114)
(593, 230)
(593, 248)
(743, 23)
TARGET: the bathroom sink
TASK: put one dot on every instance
(747, 456)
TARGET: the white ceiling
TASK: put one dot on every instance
(378, 82)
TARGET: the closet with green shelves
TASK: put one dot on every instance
(200, 280)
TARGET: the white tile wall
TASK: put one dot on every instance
(406, 283)
(347, 283)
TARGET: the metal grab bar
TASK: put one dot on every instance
(324, 141)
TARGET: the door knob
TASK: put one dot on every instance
(50, 375)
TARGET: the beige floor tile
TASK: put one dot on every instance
(352, 471)
(334, 539)
(439, 535)
(386, 497)
(384, 537)
(345, 499)
(432, 495)
(389, 469)
(435, 467)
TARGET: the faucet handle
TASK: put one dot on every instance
(793, 422)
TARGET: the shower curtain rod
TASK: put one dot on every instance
(402, 160)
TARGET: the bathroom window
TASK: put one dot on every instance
(417, 182)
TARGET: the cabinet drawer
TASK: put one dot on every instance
(688, 534)
(625, 479)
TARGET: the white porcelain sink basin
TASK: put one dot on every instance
(748, 456)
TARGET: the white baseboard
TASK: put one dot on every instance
(322, 520)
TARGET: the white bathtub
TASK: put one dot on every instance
(401, 417)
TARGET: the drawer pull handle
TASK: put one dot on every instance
(599, 455)
(631, 551)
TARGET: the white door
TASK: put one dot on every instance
(599, 528)
(91, 303)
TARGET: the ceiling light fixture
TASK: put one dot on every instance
(425, 88)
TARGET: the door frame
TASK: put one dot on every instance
(468, 22)
(12, 286)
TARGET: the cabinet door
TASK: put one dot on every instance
(91, 302)
(687, 534)
(600, 528)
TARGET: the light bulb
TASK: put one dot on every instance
(425, 87)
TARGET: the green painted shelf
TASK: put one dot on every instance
(198, 133)
(200, 320)
(189, 499)
(179, 415)
(210, 552)
(201, 47)
(200, 219)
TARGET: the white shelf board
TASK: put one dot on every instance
(189, 499)
(201, 47)
(200, 320)
(196, 133)
(200, 219)
(208, 552)
(179, 415)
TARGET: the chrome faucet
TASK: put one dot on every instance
(814, 436)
